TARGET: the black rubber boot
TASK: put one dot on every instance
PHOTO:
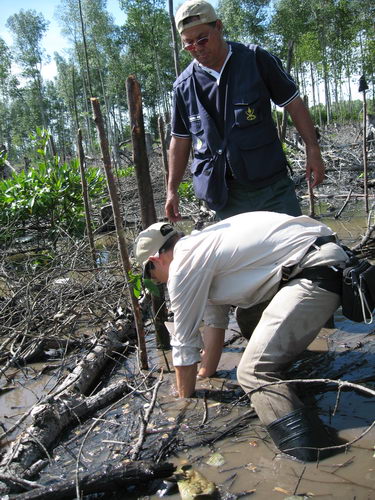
(299, 432)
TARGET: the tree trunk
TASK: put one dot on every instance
(85, 48)
(174, 39)
(285, 113)
(85, 196)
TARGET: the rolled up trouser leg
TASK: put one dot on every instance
(248, 319)
(288, 325)
(302, 435)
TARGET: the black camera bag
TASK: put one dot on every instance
(358, 291)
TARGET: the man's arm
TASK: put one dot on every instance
(213, 339)
(303, 123)
(179, 151)
(185, 378)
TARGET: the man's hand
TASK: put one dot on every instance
(315, 169)
(303, 123)
(185, 378)
(171, 207)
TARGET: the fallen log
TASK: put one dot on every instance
(109, 478)
(49, 420)
(82, 377)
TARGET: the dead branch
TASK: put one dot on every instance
(344, 204)
(145, 421)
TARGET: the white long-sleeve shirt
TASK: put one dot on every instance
(238, 262)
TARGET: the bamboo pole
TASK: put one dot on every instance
(106, 158)
(85, 196)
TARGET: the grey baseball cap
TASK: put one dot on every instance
(204, 12)
(149, 241)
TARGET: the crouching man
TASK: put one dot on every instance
(246, 260)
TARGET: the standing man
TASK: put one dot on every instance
(222, 108)
(294, 262)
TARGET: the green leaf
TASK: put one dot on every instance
(151, 287)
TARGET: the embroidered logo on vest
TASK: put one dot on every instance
(250, 114)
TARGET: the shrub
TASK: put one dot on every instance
(48, 195)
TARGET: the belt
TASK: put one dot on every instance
(326, 277)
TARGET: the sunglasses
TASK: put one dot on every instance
(199, 43)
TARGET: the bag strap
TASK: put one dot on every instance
(364, 304)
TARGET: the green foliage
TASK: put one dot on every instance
(151, 287)
(126, 172)
(342, 111)
(28, 28)
(244, 20)
(138, 284)
(186, 191)
(48, 195)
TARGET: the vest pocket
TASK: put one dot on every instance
(247, 114)
(198, 138)
(262, 162)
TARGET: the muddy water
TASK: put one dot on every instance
(251, 462)
(23, 388)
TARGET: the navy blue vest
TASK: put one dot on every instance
(251, 148)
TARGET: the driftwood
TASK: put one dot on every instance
(109, 478)
(49, 420)
(66, 406)
(83, 376)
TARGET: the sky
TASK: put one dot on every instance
(53, 41)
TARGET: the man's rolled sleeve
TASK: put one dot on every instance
(188, 291)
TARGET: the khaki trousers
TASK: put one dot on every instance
(289, 323)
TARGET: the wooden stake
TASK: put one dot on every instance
(106, 158)
(148, 213)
